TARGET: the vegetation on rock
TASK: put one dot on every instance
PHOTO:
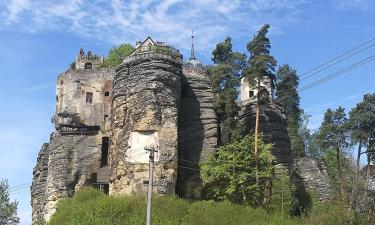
(117, 54)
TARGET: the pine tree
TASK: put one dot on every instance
(333, 134)
(225, 80)
(260, 64)
(8, 210)
(362, 125)
(286, 85)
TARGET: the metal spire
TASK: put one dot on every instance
(192, 54)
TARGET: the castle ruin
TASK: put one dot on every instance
(105, 118)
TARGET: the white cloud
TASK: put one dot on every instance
(118, 21)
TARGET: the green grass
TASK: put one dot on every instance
(90, 207)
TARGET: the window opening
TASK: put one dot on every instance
(89, 97)
(106, 93)
(251, 93)
(88, 65)
(104, 158)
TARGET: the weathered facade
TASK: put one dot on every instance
(76, 155)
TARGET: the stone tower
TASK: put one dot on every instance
(145, 113)
(76, 155)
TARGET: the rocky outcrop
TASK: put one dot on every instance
(273, 129)
(311, 176)
(76, 152)
(145, 103)
(38, 186)
(197, 129)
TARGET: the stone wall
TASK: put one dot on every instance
(73, 156)
(145, 106)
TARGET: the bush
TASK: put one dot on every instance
(90, 207)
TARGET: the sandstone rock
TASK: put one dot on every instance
(145, 103)
(197, 129)
(312, 175)
(273, 129)
(74, 155)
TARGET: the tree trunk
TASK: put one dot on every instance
(367, 178)
(341, 180)
(356, 184)
(257, 134)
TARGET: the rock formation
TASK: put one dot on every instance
(197, 128)
(273, 129)
(311, 175)
(76, 155)
(145, 107)
(105, 120)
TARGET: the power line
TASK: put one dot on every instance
(341, 55)
(330, 65)
(337, 74)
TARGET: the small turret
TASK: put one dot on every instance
(87, 61)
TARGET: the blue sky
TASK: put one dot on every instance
(40, 38)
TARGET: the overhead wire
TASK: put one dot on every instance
(336, 74)
(313, 70)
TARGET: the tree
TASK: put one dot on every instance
(225, 79)
(282, 192)
(117, 54)
(333, 134)
(286, 84)
(8, 210)
(362, 125)
(260, 64)
(230, 174)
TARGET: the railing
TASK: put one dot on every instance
(165, 52)
(68, 129)
(89, 57)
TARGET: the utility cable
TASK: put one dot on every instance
(339, 56)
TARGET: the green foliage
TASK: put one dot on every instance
(333, 133)
(286, 84)
(225, 79)
(328, 214)
(260, 63)
(117, 54)
(131, 210)
(282, 192)
(230, 174)
(8, 209)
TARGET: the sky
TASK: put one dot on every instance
(40, 38)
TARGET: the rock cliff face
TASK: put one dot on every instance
(76, 154)
(273, 128)
(145, 106)
(311, 175)
(197, 129)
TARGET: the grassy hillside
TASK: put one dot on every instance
(90, 207)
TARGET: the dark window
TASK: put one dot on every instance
(251, 93)
(105, 145)
(89, 97)
(105, 117)
(106, 93)
(88, 65)
(57, 98)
